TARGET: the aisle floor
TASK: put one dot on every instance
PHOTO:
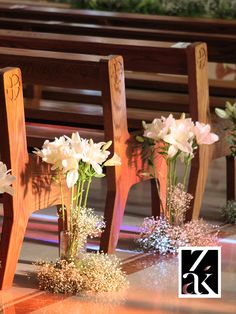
(153, 279)
(153, 285)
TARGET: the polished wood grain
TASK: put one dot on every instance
(37, 133)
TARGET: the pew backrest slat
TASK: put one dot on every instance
(42, 67)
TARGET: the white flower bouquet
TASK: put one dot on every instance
(178, 140)
(79, 160)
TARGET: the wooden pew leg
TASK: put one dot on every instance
(231, 178)
(114, 212)
(11, 242)
(197, 183)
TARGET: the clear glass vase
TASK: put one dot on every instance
(71, 245)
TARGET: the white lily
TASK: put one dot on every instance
(180, 137)
(95, 156)
(158, 128)
(6, 180)
(114, 161)
(106, 145)
(55, 152)
(72, 177)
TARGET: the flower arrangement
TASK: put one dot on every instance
(77, 160)
(178, 141)
(6, 180)
(229, 113)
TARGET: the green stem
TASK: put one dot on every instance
(171, 177)
(87, 191)
(168, 173)
(80, 197)
(78, 192)
(71, 249)
(174, 180)
(72, 208)
(62, 204)
(186, 174)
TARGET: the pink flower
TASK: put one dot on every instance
(203, 134)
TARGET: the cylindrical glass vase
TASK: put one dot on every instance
(71, 245)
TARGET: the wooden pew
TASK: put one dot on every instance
(223, 90)
(221, 47)
(161, 56)
(60, 69)
(207, 25)
(141, 81)
(219, 35)
(221, 41)
(33, 187)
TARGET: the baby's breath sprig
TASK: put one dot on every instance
(159, 236)
(91, 272)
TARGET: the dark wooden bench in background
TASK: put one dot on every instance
(119, 19)
(218, 34)
(221, 45)
(135, 81)
(142, 104)
(136, 96)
